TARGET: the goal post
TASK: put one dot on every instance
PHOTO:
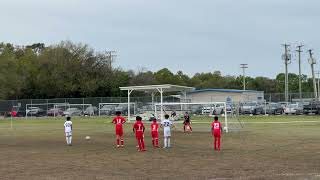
(109, 109)
(201, 109)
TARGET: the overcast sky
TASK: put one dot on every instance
(188, 35)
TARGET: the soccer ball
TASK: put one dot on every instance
(225, 129)
(87, 138)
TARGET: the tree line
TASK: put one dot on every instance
(71, 70)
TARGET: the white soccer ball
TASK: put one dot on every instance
(225, 129)
(87, 138)
(222, 115)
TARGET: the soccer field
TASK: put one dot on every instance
(274, 147)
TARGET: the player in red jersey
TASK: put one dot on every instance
(187, 123)
(138, 129)
(119, 121)
(155, 133)
(216, 129)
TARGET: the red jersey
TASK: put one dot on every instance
(118, 121)
(154, 127)
(216, 126)
(139, 128)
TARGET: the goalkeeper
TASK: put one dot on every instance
(187, 122)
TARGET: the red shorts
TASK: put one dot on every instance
(154, 134)
(119, 131)
(217, 134)
(139, 135)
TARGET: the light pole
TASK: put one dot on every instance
(312, 62)
(244, 67)
(287, 60)
(300, 86)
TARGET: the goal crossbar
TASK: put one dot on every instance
(197, 103)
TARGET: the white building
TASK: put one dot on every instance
(224, 95)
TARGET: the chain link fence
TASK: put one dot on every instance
(141, 104)
(293, 97)
(23, 106)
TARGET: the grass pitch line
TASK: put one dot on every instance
(264, 122)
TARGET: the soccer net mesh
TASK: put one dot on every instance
(110, 109)
(201, 113)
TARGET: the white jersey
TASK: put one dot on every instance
(68, 126)
(166, 127)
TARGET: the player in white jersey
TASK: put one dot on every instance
(166, 124)
(68, 131)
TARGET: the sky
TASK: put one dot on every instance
(188, 35)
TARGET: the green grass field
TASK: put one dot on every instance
(268, 147)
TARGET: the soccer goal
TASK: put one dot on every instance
(202, 112)
(110, 109)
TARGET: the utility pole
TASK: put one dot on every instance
(318, 73)
(244, 67)
(300, 86)
(110, 56)
(287, 60)
(312, 62)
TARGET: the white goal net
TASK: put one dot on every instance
(202, 112)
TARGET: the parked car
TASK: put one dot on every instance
(207, 110)
(90, 111)
(15, 112)
(274, 108)
(72, 112)
(229, 108)
(251, 108)
(293, 109)
(196, 109)
(55, 112)
(218, 109)
(107, 110)
(312, 107)
(36, 111)
(283, 104)
(123, 108)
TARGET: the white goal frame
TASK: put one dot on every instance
(198, 103)
(134, 106)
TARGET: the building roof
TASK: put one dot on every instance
(224, 90)
(155, 88)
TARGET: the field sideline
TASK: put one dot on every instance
(268, 147)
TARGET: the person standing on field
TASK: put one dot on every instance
(68, 131)
(216, 130)
(187, 122)
(138, 129)
(166, 124)
(155, 133)
(119, 121)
